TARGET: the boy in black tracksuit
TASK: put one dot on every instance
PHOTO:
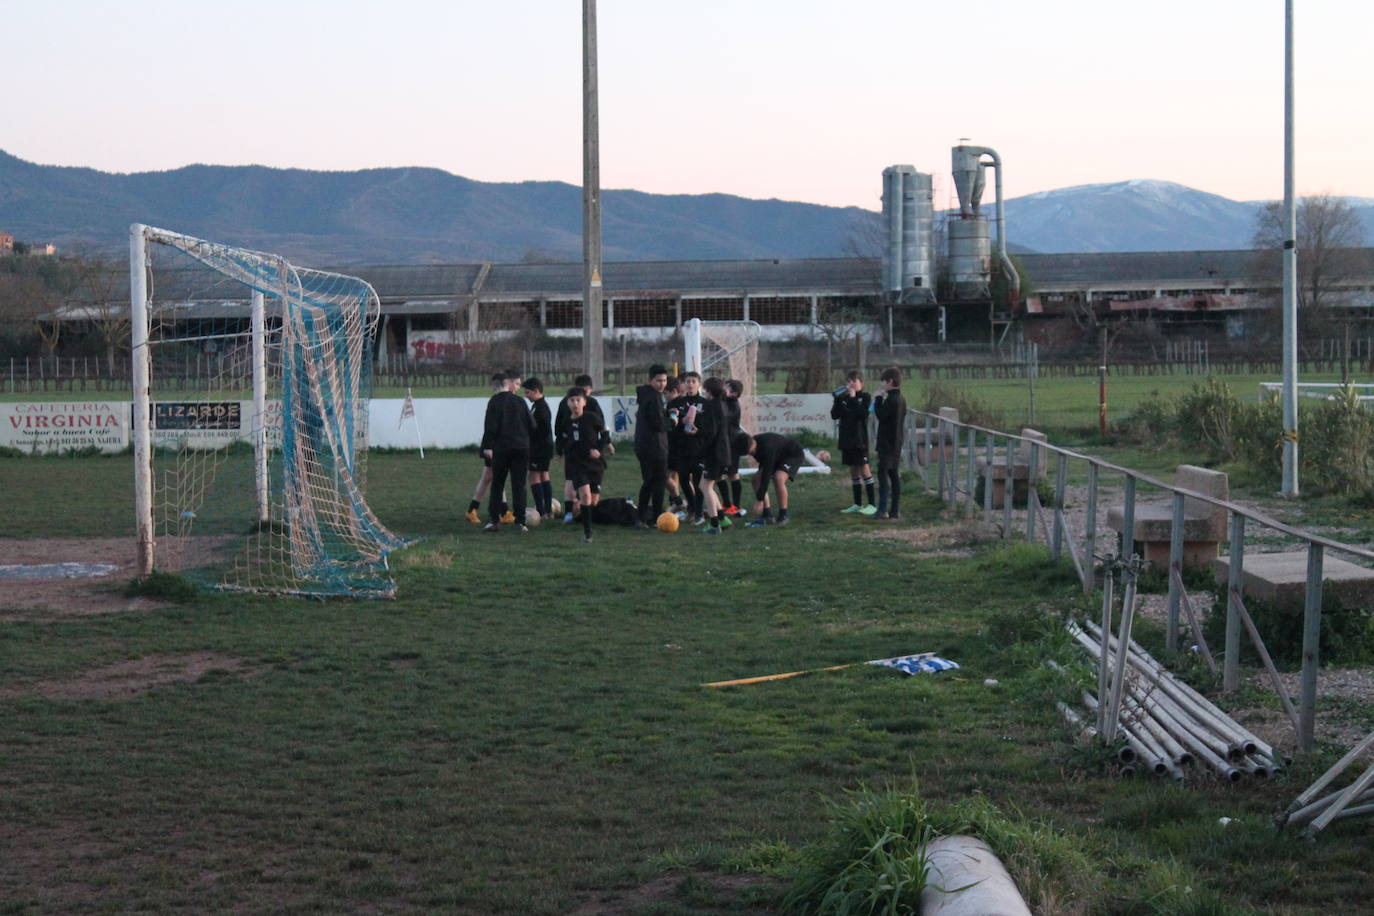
(560, 424)
(733, 389)
(684, 446)
(506, 441)
(541, 447)
(779, 459)
(714, 450)
(651, 444)
(851, 409)
(890, 408)
(584, 448)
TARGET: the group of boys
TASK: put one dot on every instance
(689, 444)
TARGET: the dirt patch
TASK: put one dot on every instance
(48, 599)
(673, 887)
(125, 680)
(945, 540)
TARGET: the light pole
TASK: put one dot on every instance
(1290, 271)
(592, 351)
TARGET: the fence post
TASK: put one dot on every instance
(1090, 535)
(1175, 574)
(1128, 521)
(954, 430)
(1032, 473)
(987, 481)
(1008, 489)
(970, 504)
(1311, 647)
(940, 475)
(1235, 583)
(1061, 473)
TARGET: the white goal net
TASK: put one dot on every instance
(250, 420)
(730, 350)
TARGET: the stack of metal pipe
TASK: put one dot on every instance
(1164, 725)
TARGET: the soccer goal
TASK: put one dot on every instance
(251, 383)
(729, 349)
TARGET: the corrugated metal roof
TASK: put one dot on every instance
(1150, 268)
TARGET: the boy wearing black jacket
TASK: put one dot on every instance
(851, 409)
(684, 442)
(541, 447)
(584, 449)
(592, 406)
(890, 409)
(506, 441)
(714, 450)
(651, 444)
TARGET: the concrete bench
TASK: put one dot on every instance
(1281, 579)
(996, 474)
(1204, 525)
(941, 438)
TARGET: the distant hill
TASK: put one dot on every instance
(403, 216)
(421, 215)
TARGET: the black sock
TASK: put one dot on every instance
(858, 490)
(715, 521)
(782, 514)
(896, 494)
(735, 490)
(473, 504)
(587, 520)
(868, 488)
(548, 496)
(882, 495)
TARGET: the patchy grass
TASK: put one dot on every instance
(523, 729)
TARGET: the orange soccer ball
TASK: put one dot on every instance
(667, 522)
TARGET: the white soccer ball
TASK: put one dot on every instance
(556, 507)
(532, 517)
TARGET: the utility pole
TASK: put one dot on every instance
(592, 350)
(1290, 271)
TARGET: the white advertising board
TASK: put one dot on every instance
(53, 427)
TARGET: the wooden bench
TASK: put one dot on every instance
(1204, 525)
(996, 475)
(1281, 579)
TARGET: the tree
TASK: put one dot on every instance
(1329, 234)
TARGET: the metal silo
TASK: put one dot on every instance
(909, 221)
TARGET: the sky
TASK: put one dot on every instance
(794, 99)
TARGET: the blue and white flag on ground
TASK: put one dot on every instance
(924, 663)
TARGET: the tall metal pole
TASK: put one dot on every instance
(1290, 271)
(592, 355)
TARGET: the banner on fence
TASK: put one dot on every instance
(54, 427)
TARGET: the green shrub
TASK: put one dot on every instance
(1347, 634)
(1336, 446)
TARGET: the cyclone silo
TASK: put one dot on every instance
(909, 223)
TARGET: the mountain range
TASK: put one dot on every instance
(425, 215)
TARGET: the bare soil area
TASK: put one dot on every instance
(127, 679)
(51, 599)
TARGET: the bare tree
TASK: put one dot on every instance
(27, 299)
(1329, 232)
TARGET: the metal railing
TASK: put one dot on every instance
(934, 447)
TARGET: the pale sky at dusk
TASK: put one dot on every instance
(795, 99)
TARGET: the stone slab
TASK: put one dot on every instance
(1281, 579)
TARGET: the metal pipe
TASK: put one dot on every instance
(140, 381)
(1090, 534)
(1032, 475)
(1175, 574)
(1119, 679)
(1108, 587)
(1235, 583)
(1061, 472)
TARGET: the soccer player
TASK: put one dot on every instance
(713, 450)
(592, 406)
(851, 409)
(651, 444)
(684, 443)
(779, 459)
(890, 409)
(506, 443)
(498, 381)
(671, 392)
(733, 389)
(541, 448)
(584, 455)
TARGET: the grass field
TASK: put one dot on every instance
(523, 729)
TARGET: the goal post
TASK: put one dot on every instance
(250, 420)
(730, 349)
